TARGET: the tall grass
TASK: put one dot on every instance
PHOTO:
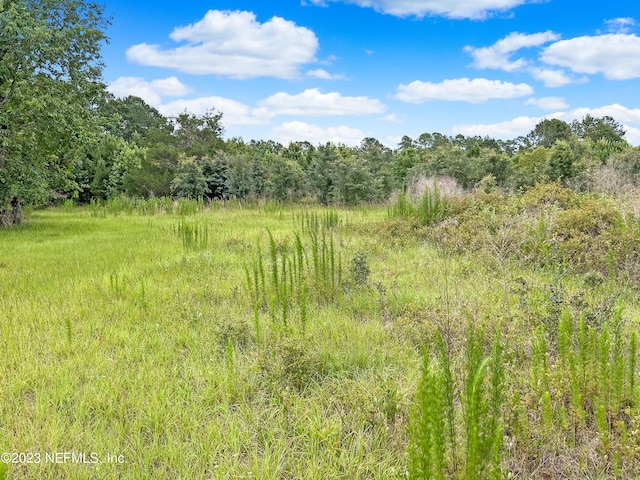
(440, 430)
(402, 208)
(314, 221)
(588, 381)
(310, 270)
(194, 234)
(429, 209)
(146, 337)
(433, 206)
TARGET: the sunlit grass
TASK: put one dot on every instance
(129, 334)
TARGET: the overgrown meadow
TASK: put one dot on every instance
(471, 336)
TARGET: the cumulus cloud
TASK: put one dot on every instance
(628, 117)
(505, 130)
(456, 9)
(478, 90)
(621, 113)
(324, 75)
(498, 55)
(616, 56)
(551, 77)
(548, 103)
(151, 92)
(312, 102)
(302, 131)
(234, 113)
(393, 118)
(620, 25)
(633, 135)
(233, 44)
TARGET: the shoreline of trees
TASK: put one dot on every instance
(143, 154)
(63, 136)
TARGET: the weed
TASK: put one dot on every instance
(359, 270)
(433, 206)
(434, 436)
(194, 234)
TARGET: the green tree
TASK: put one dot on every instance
(322, 176)
(189, 182)
(561, 162)
(132, 118)
(199, 135)
(375, 163)
(215, 171)
(49, 81)
(549, 131)
(157, 169)
(239, 181)
(286, 179)
(530, 167)
(597, 129)
(404, 161)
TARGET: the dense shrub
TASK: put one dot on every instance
(544, 195)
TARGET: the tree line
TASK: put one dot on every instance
(63, 136)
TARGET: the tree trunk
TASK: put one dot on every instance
(11, 213)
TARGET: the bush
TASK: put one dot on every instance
(544, 195)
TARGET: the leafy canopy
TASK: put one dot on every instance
(50, 73)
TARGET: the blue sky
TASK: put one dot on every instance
(342, 70)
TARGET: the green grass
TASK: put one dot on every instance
(137, 333)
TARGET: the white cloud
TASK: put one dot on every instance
(393, 118)
(628, 117)
(151, 92)
(620, 25)
(616, 56)
(233, 112)
(497, 56)
(313, 103)
(302, 131)
(324, 75)
(548, 103)
(551, 77)
(233, 44)
(633, 135)
(619, 112)
(458, 9)
(504, 130)
(478, 90)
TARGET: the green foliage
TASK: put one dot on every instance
(194, 234)
(132, 119)
(154, 175)
(295, 366)
(549, 131)
(314, 221)
(530, 167)
(589, 382)
(199, 135)
(544, 385)
(433, 206)
(435, 438)
(359, 269)
(285, 180)
(545, 195)
(49, 73)
(596, 129)
(312, 270)
(189, 181)
(561, 162)
(402, 208)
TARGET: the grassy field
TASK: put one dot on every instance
(290, 342)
